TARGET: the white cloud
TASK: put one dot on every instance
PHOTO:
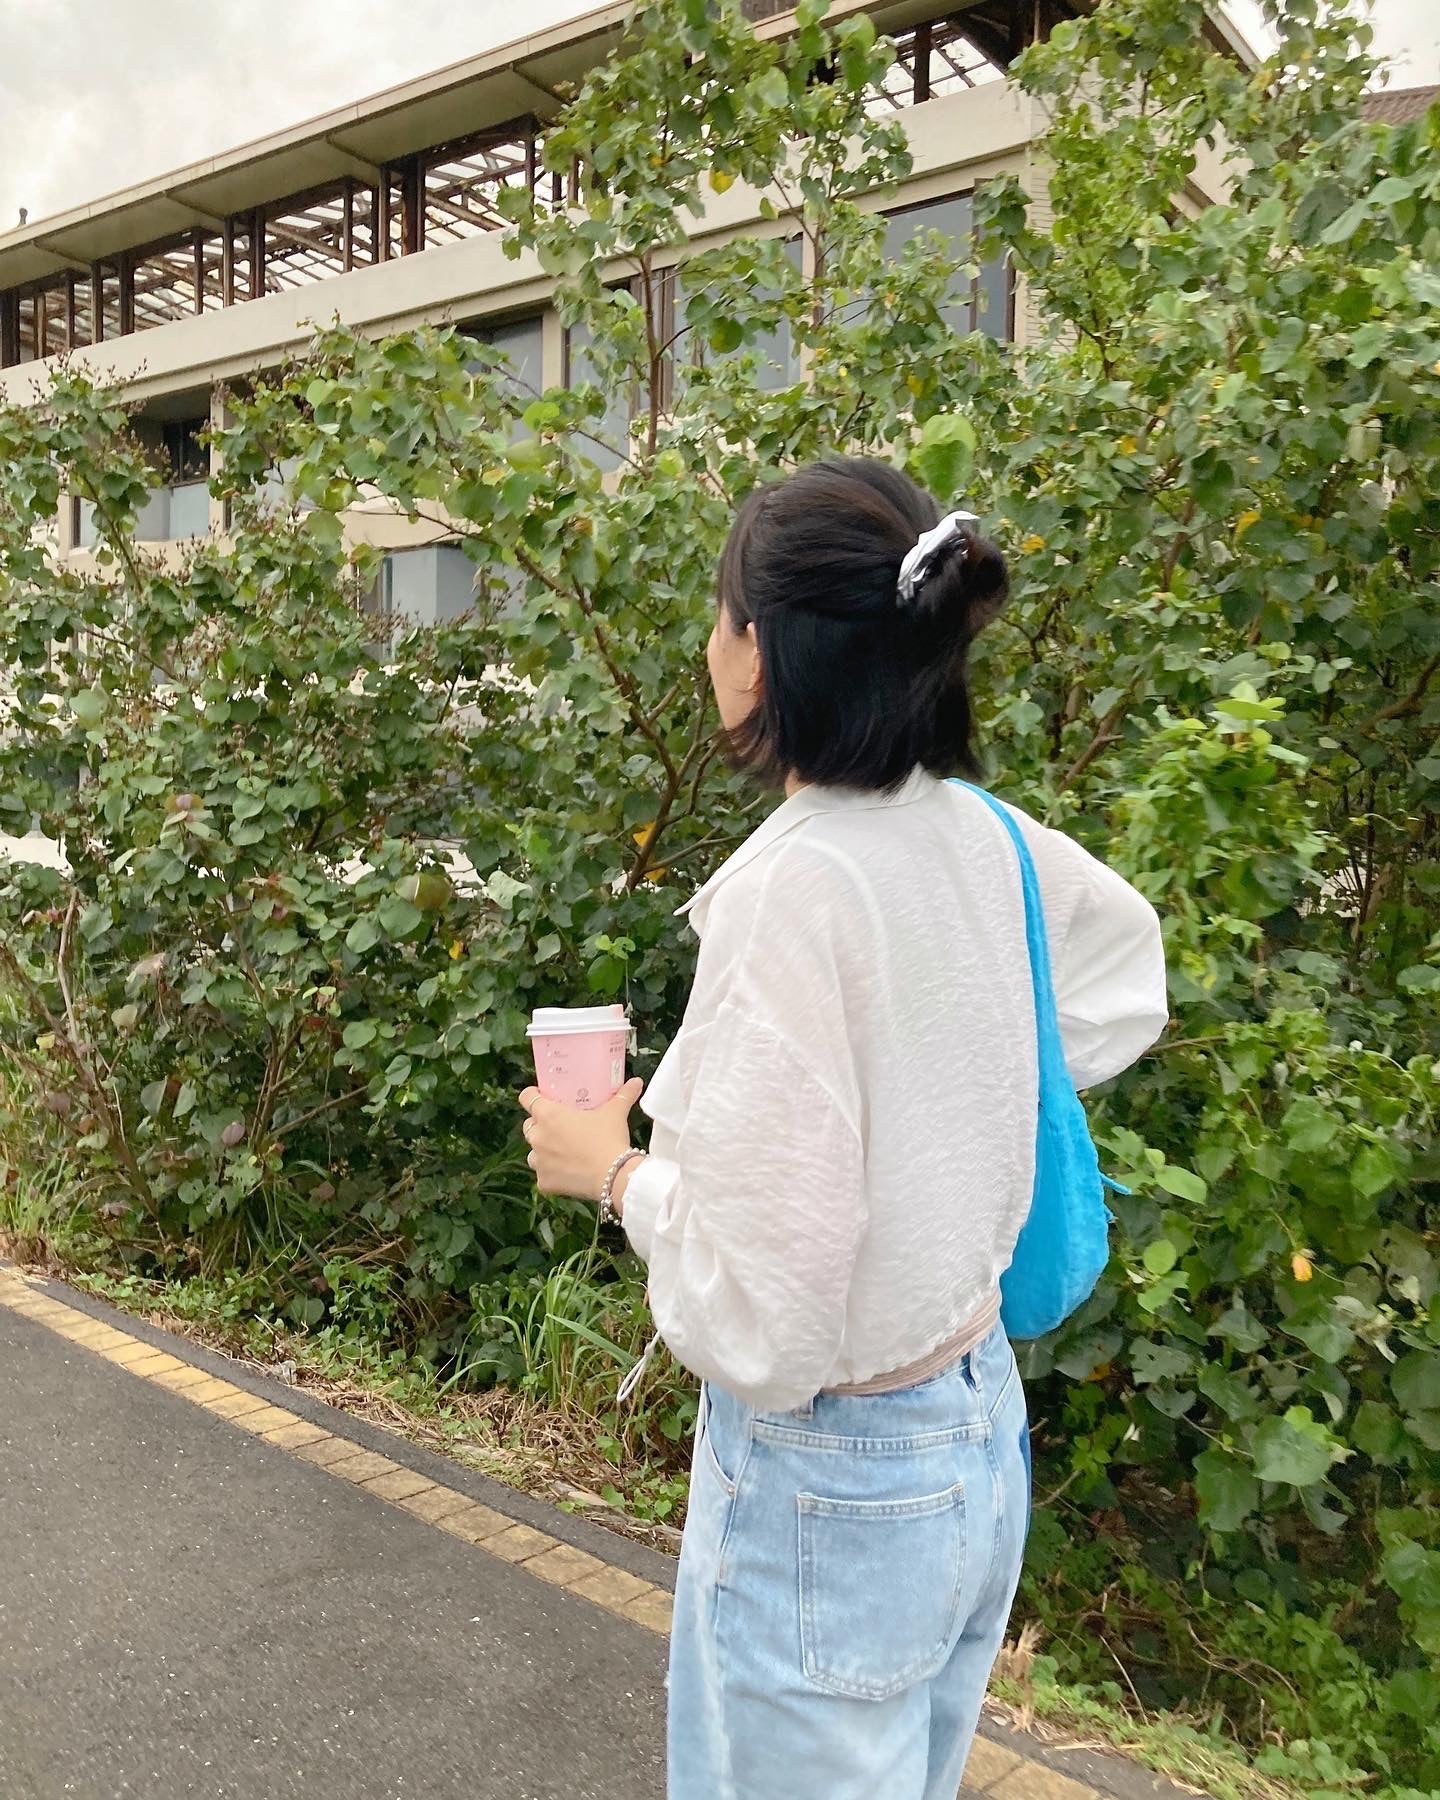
(98, 94)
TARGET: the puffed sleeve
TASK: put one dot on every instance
(751, 1228)
(1107, 959)
(1109, 977)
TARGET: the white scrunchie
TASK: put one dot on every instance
(919, 560)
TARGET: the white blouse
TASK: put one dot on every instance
(844, 1136)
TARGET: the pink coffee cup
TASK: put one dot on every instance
(579, 1053)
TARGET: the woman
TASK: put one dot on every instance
(842, 1157)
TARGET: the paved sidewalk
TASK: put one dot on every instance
(211, 1585)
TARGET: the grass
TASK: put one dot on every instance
(41, 1213)
(1026, 1694)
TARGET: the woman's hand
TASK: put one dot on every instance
(571, 1151)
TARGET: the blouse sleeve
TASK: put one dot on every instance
(752, 1227)
(1109, 977)
(1106, 955)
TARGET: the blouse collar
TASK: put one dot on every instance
(804, 804)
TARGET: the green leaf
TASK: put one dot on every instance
(152, 1096)
(943, 454)
(362, 936)
(89, 706)
(1377, 1432)
(771, 89)
(399, 918)
(1415, 1693)
(1184, 1184)
(1151, 1362)
(1295, 1449)
(858, 33)
(1415, 1381)
(1161, 1256)
(1161, 1291)
(1235, 708)
(1227, 1492)
(1393, 188)
(1413, 1573)
(1324, 1333)
(1241, 1328)
(358, 1033)
(1373, 1170)
(1309, 1126)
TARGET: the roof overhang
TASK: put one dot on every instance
(519, 80)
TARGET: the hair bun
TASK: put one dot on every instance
(966, 582)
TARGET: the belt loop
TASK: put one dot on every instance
(806, 1410)
(970, 1372)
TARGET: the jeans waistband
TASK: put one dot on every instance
(934, 1362)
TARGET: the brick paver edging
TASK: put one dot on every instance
(1002, 1764)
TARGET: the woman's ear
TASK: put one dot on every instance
(756, 683)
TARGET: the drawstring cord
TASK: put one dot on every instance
(637, 1370)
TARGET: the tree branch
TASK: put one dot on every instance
(325, 1106)
(1104, 736)
(624, 682)
(1408, 703)
(675, 780)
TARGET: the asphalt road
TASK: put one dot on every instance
(187, 1611)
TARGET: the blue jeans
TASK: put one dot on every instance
(844, 1586)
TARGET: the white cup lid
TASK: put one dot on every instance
(562, 1021)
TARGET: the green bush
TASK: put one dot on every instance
(261, 1011)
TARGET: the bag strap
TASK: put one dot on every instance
(1047, 1020)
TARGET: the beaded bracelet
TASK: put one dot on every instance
(608, 1214)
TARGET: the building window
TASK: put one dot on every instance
(779, 354)
(606, 440)
(180, 508)
(522, 343)
(430, 585)
(981, 305)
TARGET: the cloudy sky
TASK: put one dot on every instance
(97, 94)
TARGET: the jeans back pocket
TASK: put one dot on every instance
(880, 1590)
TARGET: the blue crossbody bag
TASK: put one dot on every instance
(1063, 1245)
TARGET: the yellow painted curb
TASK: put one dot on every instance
(993, 1769)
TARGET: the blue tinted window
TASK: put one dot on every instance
(983, 305)
(780, 364)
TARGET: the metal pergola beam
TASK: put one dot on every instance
(458, 211)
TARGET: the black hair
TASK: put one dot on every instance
(860, 684)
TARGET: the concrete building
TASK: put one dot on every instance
(382, 214)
